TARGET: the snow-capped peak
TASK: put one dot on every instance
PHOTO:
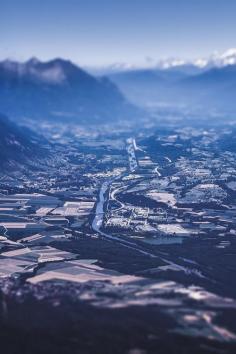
(229, 53)
(170, 63)
(229, 57)
(201, 63)
(215, 60)
(218, 60)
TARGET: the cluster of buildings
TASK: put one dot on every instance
(190, 194)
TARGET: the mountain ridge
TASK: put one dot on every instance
(59, 89)
(210, 89)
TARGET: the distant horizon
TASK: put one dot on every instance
(146, 62)
(174, 61)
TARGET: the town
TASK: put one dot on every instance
(102, 200)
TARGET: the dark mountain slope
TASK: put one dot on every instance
(215, 88)
(214, 77)
(18, 145)
(59, 89)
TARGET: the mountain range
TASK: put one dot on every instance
(59, 89)
(200, 64)
(18, 144)
(188, 85)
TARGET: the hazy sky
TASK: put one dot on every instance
(97, 32)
